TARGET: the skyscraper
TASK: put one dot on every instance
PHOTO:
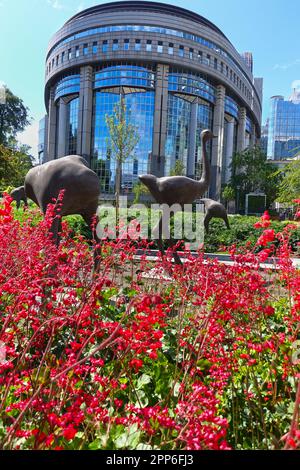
(284, 126)
(178, 74)
(248, 58)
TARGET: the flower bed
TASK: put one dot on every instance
(205, 359)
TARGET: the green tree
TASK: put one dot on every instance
(14, 117)
(14, 164)
(289, 187)
(138, 190)
(178, 169)
(123, 138)
(228, 194)
(252, 172)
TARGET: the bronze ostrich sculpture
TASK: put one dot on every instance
(179, 190)
(214, 209)
(18, 194)
(43, 183)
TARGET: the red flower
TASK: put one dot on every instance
(266, 237)
(69, 433)
(136, 364)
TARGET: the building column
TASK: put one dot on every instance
(85, 113)
(253, 136)
(217, 144)
(62, 129)
(229, 149)
(241, 131)
(160, 120)
(190, 170)
(51, 138)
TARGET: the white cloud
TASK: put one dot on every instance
(55, 4)
(286, 66)
(30, 137)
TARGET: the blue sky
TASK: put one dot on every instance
(268, 28)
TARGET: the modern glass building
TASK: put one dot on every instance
(178, 74)
(284, 127)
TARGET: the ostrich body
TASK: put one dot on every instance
(179, 190)
(43, 184)
(214, 209)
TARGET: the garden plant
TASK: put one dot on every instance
(199, 356)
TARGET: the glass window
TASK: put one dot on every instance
(158, 30)
(149, 46)
(77, 51)
(160, 47)
(105, 46)
(67, 85)
(171, 48)
(73, 108)
(126, 44)
(52, 63)
(115, 46)
(62, 57)
(85, 49)
(137, 46)
(216, 64)
(104, 161)
(57, 59)
(222, 67)
(191, 53)
(181, 51)
(70, 54)
(200, 56)
(95, 47)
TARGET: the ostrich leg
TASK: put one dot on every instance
(225, 218)
(207, 219)
(55, 229)
(160, 242)
(89, 218)
(170, 242)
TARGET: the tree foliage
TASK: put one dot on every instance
(289, 188)
(228, 194)
(122, 140)
(14, 117)
(251, 172)
(178, 169)
(14, 164)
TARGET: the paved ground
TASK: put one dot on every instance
(222, 258)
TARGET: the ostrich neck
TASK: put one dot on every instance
(205, 177)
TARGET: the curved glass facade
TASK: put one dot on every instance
(189, 83)
(129, 75)
(185, 121)
(157, 30)
(141, 106)
(231, 107)
(178, 74)
(248, 125)
(67, 86)
(73, 126)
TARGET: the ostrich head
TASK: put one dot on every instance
(207, 135)
(148, 180)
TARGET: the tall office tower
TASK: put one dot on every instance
(178, 74)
